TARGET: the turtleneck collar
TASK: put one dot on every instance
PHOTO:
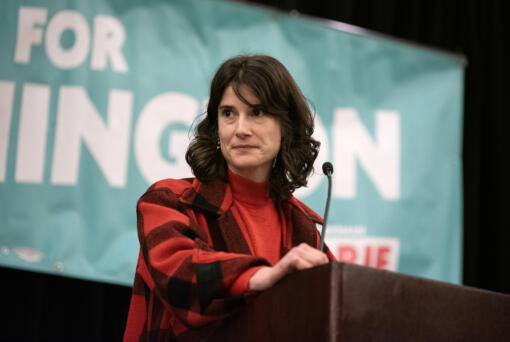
(248, 191)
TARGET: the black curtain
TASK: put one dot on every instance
(40, 307)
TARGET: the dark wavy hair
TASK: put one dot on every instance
(281, 98)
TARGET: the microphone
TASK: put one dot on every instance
(327, 168)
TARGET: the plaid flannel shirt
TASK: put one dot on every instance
(191, 251)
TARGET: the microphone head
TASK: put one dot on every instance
(327, 168)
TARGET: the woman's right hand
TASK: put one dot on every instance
(298, 258)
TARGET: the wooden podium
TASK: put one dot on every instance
(345, 302)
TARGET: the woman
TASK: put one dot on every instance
(209, 243)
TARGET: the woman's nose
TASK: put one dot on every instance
(243, 127)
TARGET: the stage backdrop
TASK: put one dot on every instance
(97, 99)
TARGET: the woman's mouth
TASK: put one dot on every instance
(241, 147)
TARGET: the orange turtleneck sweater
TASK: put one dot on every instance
(260, 222)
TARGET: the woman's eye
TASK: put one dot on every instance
(258, 112)
(226, 113)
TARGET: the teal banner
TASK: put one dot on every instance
(97, 99)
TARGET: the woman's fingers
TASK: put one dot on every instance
(298, 258)
(302, 257)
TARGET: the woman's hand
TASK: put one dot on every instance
(298, 258)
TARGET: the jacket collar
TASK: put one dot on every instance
(213, 198)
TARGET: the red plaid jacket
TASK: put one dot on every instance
(191, 251)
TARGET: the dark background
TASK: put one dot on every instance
(39, 307)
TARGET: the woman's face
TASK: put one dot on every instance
(249, 138)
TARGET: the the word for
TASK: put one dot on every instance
(108, 37)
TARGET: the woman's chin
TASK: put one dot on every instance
(250, 170)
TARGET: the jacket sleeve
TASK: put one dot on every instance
(190, 278)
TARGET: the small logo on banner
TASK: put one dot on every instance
(374, 252)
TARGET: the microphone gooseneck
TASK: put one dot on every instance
(327, 168)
